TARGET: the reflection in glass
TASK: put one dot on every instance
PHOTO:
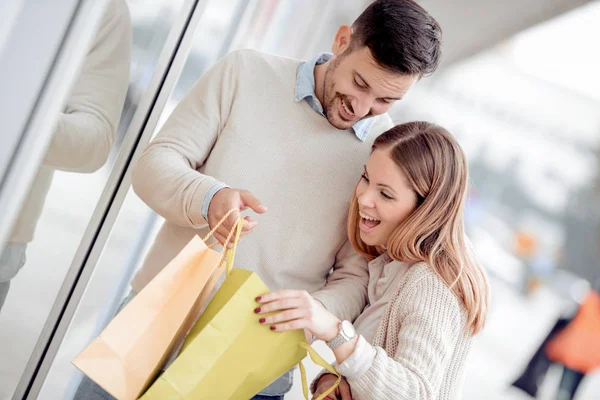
(82, 140)
(85, 130)
(86, 138)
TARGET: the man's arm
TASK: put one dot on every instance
(166, 176)
(345, 293)
(85, 131)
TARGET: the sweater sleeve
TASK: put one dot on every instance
(85, 131)
(345, 293)
(166, 176)
(432, 321)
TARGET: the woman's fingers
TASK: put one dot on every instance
(290, 325)
(284, 316)
(344, 390)
(324, 383)
(286, 303)
(280, 294)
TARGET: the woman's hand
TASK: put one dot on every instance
(296, 309)
(342, 392)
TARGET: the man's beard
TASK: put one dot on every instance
(330, 96)
(327, 90)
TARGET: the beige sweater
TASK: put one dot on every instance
(85, 131)
(420, 346)
(241, 125)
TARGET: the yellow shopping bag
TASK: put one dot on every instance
(228, 354)
(126, 357)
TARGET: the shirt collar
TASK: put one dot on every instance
(305, 90)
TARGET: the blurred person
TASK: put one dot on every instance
(573, 343)
(85, 130)
(531, 378)
(577, 346)
(294, 134)
(427, 296)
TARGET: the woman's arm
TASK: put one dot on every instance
(432, 322)
(431, 325)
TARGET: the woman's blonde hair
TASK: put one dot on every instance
(436, 169)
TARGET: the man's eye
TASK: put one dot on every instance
(358, 84)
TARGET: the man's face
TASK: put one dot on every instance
(356, 87)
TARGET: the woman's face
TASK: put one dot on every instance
(385, 198)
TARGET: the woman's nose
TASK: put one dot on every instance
(365, 200)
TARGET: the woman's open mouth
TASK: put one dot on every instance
(367, 223)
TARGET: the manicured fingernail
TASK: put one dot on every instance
(257, 310)
(273, 327)
(262, 320)
(258, 298)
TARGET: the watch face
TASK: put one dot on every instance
(348, 329)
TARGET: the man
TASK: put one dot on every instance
(296, 135)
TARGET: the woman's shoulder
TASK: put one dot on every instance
(423, 286)
(424, 274)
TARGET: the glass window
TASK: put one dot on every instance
(86, 139)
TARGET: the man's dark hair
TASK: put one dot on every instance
(401, 35)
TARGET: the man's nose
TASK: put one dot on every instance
(361, 105)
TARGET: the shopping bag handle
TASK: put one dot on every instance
(317, 359)
(228, 254)
(221, 221)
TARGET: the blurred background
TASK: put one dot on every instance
(519, 88)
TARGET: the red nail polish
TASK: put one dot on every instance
(258, 298)
(262, 320)
(273, 327)
(257, 310)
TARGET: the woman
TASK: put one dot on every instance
(426, 295)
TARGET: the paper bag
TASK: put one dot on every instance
(126, 357)
(229, 354)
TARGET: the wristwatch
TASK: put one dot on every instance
(347, 333)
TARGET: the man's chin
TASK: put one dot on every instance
(341, 124)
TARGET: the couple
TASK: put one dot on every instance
(389, 285)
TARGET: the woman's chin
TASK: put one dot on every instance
(368, 239)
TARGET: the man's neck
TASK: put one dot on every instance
(320, 72)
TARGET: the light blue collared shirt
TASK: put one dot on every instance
(305, 90)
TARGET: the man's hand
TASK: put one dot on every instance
(342, 392)
(226, 199)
